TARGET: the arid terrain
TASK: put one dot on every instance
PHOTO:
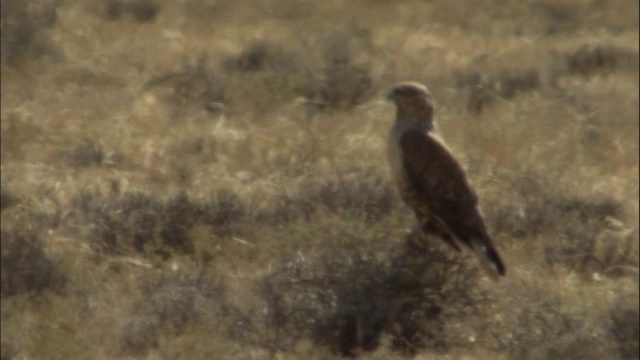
(202, 179)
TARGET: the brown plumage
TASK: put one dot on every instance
(432, 182)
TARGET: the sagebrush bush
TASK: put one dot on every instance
(348, 300)
(119, 223)
(549, 327)
(625, 327)
(261, 55)
(7, 198)
(23, 29)
(593, 59)
(575, 225)
(87, 154)
(170, 303)
(26, 267)
(140, 10)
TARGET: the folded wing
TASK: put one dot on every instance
(440, 181)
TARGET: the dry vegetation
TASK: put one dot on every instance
(202, 179)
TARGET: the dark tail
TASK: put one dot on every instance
(489, 260)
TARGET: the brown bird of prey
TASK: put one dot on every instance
(432, 182)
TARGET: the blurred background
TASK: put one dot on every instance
(201, 179)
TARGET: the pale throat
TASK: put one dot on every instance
(415, 115)
(404, 122)
(421, 121)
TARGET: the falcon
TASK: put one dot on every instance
(432, 182)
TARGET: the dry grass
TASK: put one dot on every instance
(203, 179)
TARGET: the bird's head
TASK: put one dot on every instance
(413, 102)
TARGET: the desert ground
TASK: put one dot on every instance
(202, 179)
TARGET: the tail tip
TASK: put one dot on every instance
(494, 261)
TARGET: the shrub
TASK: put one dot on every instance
(260, 55)
(118, 223)
(348, 300)
(25, 266)
(591, 59)
(141, 10)
(23, 25)
(625, 327)
(7, 199)
(170, 303)
(87, 154)
(549, 327)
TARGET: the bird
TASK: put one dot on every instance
(432, 182)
